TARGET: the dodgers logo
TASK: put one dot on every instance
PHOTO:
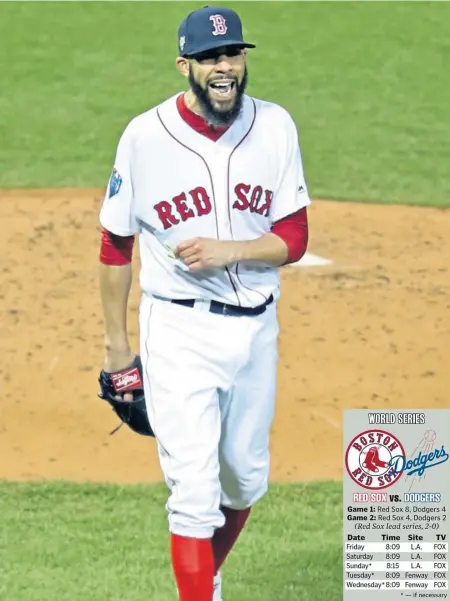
(368, 459)
(220, 26)
(420, 463)
(114, 183)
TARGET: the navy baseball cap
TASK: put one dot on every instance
(208, 28)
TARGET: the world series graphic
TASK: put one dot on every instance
(396, 498)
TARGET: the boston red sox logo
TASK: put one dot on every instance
(220, 27)
(369, 459)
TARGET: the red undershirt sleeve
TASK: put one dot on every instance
(115, 250)
(293, 230)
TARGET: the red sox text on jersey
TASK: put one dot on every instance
(255, 200)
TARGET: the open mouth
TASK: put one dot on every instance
(222, 87)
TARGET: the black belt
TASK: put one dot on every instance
(224, 309)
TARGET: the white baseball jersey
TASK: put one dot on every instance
(171, 183)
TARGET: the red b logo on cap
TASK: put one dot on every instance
(220, 27)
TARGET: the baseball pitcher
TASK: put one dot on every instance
(211, 182)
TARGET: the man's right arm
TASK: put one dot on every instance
(119, 226)
(115, 277)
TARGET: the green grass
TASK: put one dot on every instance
(69, 542)
(366, 83)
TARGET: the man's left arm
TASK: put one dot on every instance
(286, 243)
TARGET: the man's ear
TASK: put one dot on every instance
(183, 66)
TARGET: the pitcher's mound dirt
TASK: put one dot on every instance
(371, 330)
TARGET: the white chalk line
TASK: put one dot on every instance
(311, 260)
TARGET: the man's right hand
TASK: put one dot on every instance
(116, 360)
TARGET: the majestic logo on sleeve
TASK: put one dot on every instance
(220, 27)
(368, 459)
(197, 203)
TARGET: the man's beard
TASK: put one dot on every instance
(212, 115)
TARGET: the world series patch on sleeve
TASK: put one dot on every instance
(396, 500)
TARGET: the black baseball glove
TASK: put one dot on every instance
(113, 385)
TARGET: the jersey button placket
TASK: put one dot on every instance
(220, 175)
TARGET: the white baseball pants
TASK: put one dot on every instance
(209, 384)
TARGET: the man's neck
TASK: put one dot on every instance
(192, 103)
(197, 122)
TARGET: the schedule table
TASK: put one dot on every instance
(401, 565)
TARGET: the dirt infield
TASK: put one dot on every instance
(370, 330)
